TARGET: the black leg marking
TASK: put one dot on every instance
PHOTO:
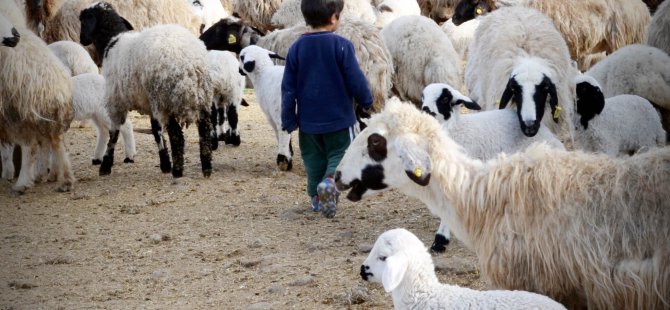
(177, 145)
(128, 161)
(440, 244)
(284, 163)
(204, 127)
(156, 129)
(96, 162)
(232, 134)
(219, 121)
(108, 159)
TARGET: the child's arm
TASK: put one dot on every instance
(357, 83)
(289, 118)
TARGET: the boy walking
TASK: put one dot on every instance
(321, 77)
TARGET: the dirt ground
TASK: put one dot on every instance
(242, 239)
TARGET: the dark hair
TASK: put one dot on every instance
(317, 13)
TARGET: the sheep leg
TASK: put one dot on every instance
(232, 135)
(214, 135)
(6, 154)
(157, 131)
(442, 238)
(101, 130)
(128, 141)
(177, 144)
(108, 159)
(28, 157)
(43, 169)
(284, 151)
(204, 127)
(61, 164)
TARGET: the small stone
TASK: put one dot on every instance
(260, 306)
(345, 234)
(276, 289)
(21, 285)
(354, 296)
(250, 262)
(156, 238)
(303, 281)
(365, 248)
(160, 273)
(255, 244)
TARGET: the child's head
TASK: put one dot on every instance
(318, 13)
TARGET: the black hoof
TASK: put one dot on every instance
(166, 166)
(128, 161)
(207, 173)
(215, 143)
(284, 163)
(221, 137)
(177, 173)
(96, 162)
(105, 171)
(234, 140)
(106, 165)
(440, 244)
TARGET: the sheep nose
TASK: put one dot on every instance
(12, 41)
(530, 128)
(338, 182)
(365, 274)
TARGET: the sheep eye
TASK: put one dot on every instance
(382, 258)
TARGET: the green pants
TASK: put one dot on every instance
(321, 153)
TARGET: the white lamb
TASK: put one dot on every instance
(228, 87)
(74, 57)
(401, 263)
(482, 135)
(160, 71)
(518, 56)
(432, 59)
(209, 11)
(88, 99)
(256, 62)
(620, 125)
(392, 9)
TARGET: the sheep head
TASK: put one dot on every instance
(391, 256)
(252, 57)
(590, 99)
(230, 34)
(442, 100)
(471, 9)
(529, 87)
(391, 152)
(8, 34)
(99, 24)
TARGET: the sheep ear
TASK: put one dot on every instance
(508, 93)
(415, 161)
(275, 56)
(244, 103)
(472, 105)
(590, 102)
(127, 24)
(396, 266)
(553, 101)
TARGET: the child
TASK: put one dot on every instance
(321, 77)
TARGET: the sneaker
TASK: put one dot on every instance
(328, 197)
(316, 206)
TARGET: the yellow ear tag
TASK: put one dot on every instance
(417, 172)
(231, 39)
(557, 111)
(498, 102)
(479, 11)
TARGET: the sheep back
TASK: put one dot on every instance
(289, 14)
(257, 12)
(74, 57)
(224, 72)
(658, 33)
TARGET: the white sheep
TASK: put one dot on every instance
(531, 68)
(257, 12)
(432, 59)
(209, 11)
(289, 14)
(588, 26)
(74, 57)
(482, 135)
(88, 99)
(401, 263)
(388, 10)
(658, 33)
(461, 36)
(228, 86)
(35, 107)
(438, 10)
(619, 125)
(160, 71)
(256, 62)
(372, 54)
(586, 230)
(637, 70)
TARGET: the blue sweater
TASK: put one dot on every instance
(321, 77)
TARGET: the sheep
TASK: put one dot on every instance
(587, 230)
(532, 57)
(209, 12)
(228, 87)
(482, 135)
(289, 14)
(392, 9)
(653, 5)
(637, 70)
(258, 13)
(372, 54)
(433, 58)
(589, 26)
(230, 34)
(438, 10)
(400, 262)
(619, 125)
(6, 160)
(8, 34)
(461, 36)
(167, 79)
(256, 62)
(74, 57)
(658, 33)
(88, 99)
(35, 108)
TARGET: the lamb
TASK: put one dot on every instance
(258, 13)
(88, 99)
(547, 221)
(372, 54)
(637, 70)
(433, 58)
(482, 135)
(589, 26)
(74, 57)
(658, 33)
(620, 125)
(392, 9)
(400, 262)
(256, 62)
(35, 107)
(228, 87)
(532, 57)
(209, 12)
(289, 14)
(167, 79)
